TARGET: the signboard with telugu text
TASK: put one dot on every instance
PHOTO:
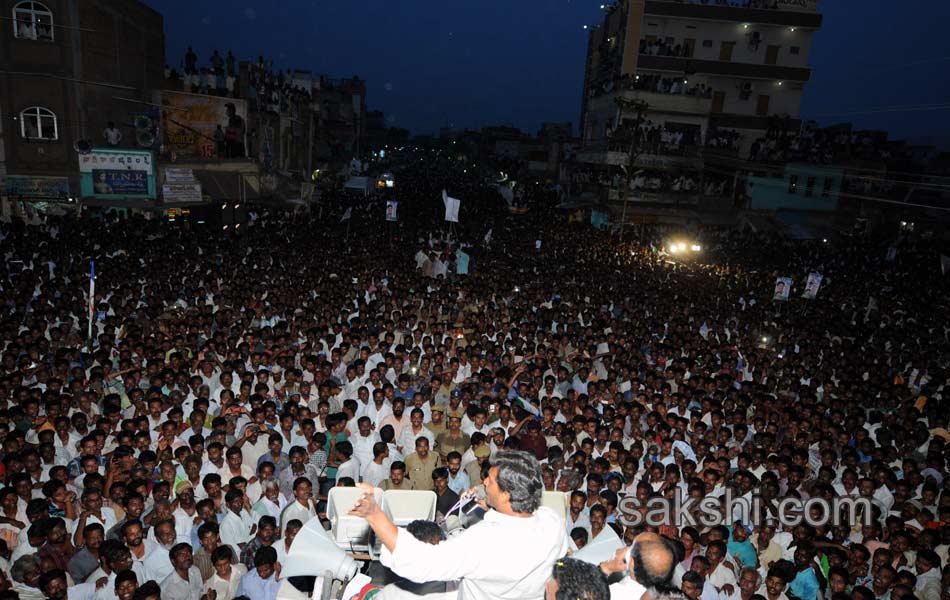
(117, 174)
(50, 189)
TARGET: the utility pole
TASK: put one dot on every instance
(308, 176)
(640, 107)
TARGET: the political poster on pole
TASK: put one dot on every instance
(392, 210)
(783, 286)
(812, 285)
(92, 298)
(451, 207)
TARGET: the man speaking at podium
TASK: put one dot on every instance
(507, 555)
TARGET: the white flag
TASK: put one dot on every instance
(487, 238)
(451, 207)
(347, 215)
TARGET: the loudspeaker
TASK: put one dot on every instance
(405, 506)
(314, 552)
(347, 530)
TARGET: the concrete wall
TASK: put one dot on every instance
(792, 190)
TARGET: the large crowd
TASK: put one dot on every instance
(233, 380)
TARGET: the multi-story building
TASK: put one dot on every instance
(341, 110)
(699, 65)
(67, 69)
(694, 79)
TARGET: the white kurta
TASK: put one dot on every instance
(502, 557)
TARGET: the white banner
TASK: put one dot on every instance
(181, 192)
(179, 176)
(451, 207)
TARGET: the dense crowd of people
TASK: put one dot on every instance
(232, 380)
(818, 145)
(273, 91)
(266, 89)
(652, 83)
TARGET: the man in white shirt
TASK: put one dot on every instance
(112, 135)
(415, 430)
(157, 563)
(237, 526)
(302, 508)
(184, 582)
(364, 440)
(506, 556)
(349, 467)
(376, 470)
(647, 562)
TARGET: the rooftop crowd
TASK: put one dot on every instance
(233, 380)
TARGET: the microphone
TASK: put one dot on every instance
(469, 497)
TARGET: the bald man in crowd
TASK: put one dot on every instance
(647, 565)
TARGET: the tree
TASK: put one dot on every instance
(630, 135)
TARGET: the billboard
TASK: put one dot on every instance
(202, 127)
(117, 174)
(109, 182)
(51, 189)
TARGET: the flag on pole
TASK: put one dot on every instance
(92, 298)
(451, 207)
(346, 216)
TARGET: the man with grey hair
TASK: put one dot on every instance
(25, 574)
(507, 555)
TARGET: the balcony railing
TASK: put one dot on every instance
(785, 13)
(677, 64)
(675, 103)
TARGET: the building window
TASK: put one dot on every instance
(826, 189)
(38, 123)
(793, 184)
(809, 187)
(794, 50)
(32, 21)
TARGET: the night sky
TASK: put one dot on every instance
(468, 63)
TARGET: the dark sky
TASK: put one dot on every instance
(468, 63)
